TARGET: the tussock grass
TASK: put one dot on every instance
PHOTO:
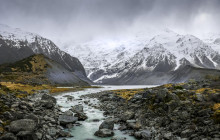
(127, 93)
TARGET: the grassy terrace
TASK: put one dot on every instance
(23, 90)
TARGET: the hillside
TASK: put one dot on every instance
(16, 44)
(38, 69)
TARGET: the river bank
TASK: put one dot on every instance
(46, 117)
(173, 111)
(86, 129)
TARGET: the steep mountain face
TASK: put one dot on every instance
(147, 61)
(16, 44)
(38, 69)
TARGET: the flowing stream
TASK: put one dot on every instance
(88, 127)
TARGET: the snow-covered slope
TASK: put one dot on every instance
(16, 44)
(131, 59)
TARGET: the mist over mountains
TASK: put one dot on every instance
(111, 60)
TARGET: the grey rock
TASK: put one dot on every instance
(39, 135)
(68, 113)
(104, 133)
(8, 136)
(32, 117)
(186, 133)
(204, 113)
(128, 115)
(22, 125)
(81, 116)
(48, 97)
(146, 134)
(168, 136)
(107, 124)
(64, 134)
(199, 97)
(131, 121)
(47, 104)
(66, 119)
(26, 135)
(52, 131)
(77, 108)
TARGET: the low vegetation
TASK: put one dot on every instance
(127, 93)
(23, 90)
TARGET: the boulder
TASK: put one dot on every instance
(66, 118)
(47, 104)
(144, 134)
(48, 97)
(81, 116)
(26, 135)
(107, 124)
(22, 125)
(128, 115)
(104, 133)
(68, 113)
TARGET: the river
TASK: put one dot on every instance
(88, 127)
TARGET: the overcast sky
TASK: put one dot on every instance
(80, 20)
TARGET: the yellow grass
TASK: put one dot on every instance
(216, 106)
(1, 130)
(127, 93)
(168, 85)
(30, 89)
(209, 90)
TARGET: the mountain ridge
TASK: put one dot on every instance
(16, 44)
(165, 52)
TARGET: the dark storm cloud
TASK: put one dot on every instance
(84, 19)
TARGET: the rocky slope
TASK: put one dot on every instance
(16, 44)
(173, 111)
(38, 69)
(137, 58)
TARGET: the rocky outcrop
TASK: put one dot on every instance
(33, 119)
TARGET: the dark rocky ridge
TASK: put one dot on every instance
(38, 69)
(157, 77)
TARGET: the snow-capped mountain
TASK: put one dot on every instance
(141, 60)
(16, 44)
